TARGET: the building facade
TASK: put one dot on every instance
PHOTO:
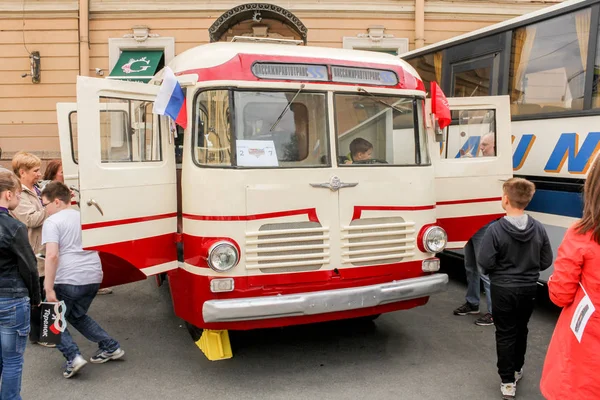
(46, 44)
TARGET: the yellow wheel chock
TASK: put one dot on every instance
(215, 344)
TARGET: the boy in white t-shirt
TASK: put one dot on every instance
(73, 275)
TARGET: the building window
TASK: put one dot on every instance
(157, 51)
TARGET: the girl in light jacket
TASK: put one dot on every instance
(572, 365)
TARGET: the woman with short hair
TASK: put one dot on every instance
(31, 212)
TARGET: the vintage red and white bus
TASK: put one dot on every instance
(276, 221)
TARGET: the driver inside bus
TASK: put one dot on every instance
(488, 145)
(360, 150)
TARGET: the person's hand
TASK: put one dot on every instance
(51, 296)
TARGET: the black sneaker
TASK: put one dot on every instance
(103, 356)
(486, 320)
(466, 309)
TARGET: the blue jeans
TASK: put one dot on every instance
(78, 299)
(474, 273)
(14, 329)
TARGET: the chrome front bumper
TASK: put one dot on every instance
(294, 305)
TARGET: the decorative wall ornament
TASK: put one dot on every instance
(375, 33)
(256, 12)
(377, 40)
(140, 34)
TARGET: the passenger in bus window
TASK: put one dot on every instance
(488, 145)
(360, 150)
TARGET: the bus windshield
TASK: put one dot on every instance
(269, 128)
(289, 129)
(379, 130)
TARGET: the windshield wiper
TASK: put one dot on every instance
(287, 106)
(381, 101)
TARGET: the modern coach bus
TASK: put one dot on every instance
(275, 222)
(548, 63)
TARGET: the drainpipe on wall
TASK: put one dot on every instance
(419, 23)
(84, 38)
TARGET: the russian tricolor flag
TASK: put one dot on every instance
(171, 100)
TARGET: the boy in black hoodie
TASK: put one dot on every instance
(513, 252)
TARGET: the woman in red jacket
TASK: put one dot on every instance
(573, 360)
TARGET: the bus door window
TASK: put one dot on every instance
(471, 134)
(379, 130)
(128, 132)
(548, 64)
(73, 131)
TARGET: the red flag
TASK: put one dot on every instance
(440, 106)
(181, 119)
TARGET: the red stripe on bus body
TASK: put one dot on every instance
(144, 252)
(96, 225)
(239, 68)
(467, 201)
(462, 228)
(310, 212)
(359, 209)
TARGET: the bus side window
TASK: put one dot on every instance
(471, 134)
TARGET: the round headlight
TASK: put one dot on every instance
(222, 256)
(435, 239)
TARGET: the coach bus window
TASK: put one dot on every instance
(548, 63)
(472, 82)
(596, 81)
(429, 68)
(378, 130)
(471, 134)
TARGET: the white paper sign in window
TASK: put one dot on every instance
(256, 153)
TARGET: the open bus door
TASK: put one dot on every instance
(124, 158)
(469, 183)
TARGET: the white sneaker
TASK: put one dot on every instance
(509, 391)
(518, 375)
(74, 366)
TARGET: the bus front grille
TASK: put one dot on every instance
(375, 241)
(287, 247)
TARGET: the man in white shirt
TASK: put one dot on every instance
(73, 275)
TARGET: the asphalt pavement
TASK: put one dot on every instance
(423, 353)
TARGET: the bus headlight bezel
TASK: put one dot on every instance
(430, 238)
(225, 248)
